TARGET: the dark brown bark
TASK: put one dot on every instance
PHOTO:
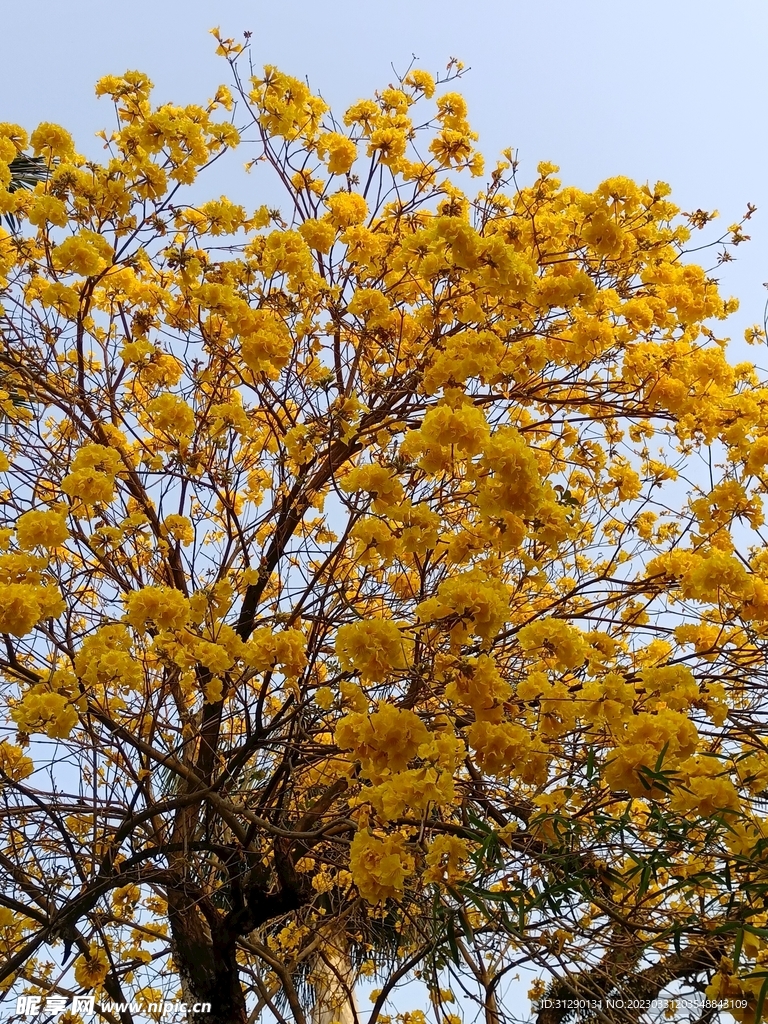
(204, 940)
(207, 965)
(619, 994)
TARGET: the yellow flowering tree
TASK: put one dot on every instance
(366, 609)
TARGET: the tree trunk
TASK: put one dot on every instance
(333, 977)
(207, 967)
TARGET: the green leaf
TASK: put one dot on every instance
(737, 948)
(761, 1000)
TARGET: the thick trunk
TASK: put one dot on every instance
(207, 967)
(218, 989)
(334, 978)
(205, 938)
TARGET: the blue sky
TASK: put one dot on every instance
(675, 90)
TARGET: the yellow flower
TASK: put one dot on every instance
(626, 481)
(411, 790)
(62, 298)
(373, 647)
(92, 473)
(318, 234)
(389, 144)
(421, 81)
(213, 690)
(42, 710)
(23, 605)
(341, 152)
(704, 789)
(50, 140)
(364, 113)
(537, 989)
(43, 529)
(47, 209)
(467, 603)
(674, 683)
(14, 762)
(213, 656)
(288, 108)
(555, 641)
(266, 342)
(511, 480)
(91, 968)
(86, 254)
(373, 307)
(379, 481)
(91, 486)
(452, 108)
(465, 428)
(125, 898)
(224, 217)
(379, 866)
(479, 684)
(346, 209)
(14, 134)
(180, 528)
(172, 415)
(106, 659)
(164, 607)
(640, 741)
(717, 571)
(451, 147)
(385, 741)
(500, 747)
(324, 697)
(285, 649)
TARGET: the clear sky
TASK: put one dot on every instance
(675, 90)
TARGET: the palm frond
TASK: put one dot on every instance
(26, 172)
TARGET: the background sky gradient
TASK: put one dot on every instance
(675, 90)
